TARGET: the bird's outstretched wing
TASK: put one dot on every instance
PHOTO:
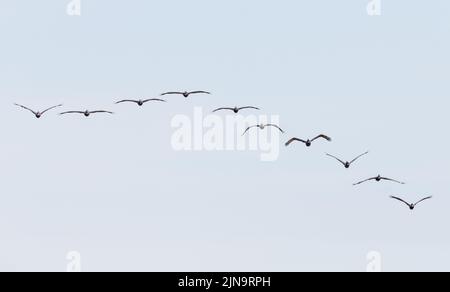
(275, 126)
(154, 99)
(24, 107)
(336, 158)
(249, 107)
(294, 140)
(392, 180)
(366, 180)
(427, 198)
(101, 112)
(351, 162)
(71, 112)
(323, 137)
(50, 108)
(199, 92)
(223, 109)
(127, 100)
(401, 200)
(249, 128)
(172, 93)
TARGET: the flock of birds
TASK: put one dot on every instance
(186, 94)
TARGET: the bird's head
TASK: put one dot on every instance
(236, 110)
(38, 115)
(87, 113)
(347, 164)
(140, 102)
(308, 143)
(412, 207)
(186, 94)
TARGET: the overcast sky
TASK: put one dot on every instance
(113, 188)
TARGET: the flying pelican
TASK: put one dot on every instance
(411, 206)
(347, 164)
(235, 109)
(141, 102)
(262, 127)
(87, 113)
(38, 114)
(378, 179)
(186, 94)
(308, 143)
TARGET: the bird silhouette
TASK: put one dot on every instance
(186, 94)
(87, 113)
(308, 142)
(38, 114)
(347, 164)
(235, 109)
(140, 102)
(262, 127)
(378, 179)
(411, 206)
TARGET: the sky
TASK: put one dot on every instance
(113, 189)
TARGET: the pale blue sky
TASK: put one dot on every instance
(113, 188)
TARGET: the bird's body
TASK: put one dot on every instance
(87, 113)
(379, 178)
(140, 102)
(236, 109)
(186, 94)
(262, 127)
(411, 206)
(347, 164)
(308, 142)
(38, 114)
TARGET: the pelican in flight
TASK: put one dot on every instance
(411, 206)
(87, 113)
(347, 164)
(236, 109)
(141, 102)
(262, 127)
(38, 114)
(378, 179)
(308, 142)
(186, 94)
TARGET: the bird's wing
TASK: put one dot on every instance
(336, 159)
(248, 129)
(427, 198)
(50, 108)
(101, 112)
(294, 140)
(223, 109)
(359, 157)
(72, 112)
(249, 107)
(366, 180)
(127, 100)
(401, 200)
(199, 92)
(172, 92)
(24, 107)
(154, 99)
(275, 126)
(322, 136)
(392, 180)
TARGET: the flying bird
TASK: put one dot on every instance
(378, 179)
(186, 94)
(141, 102)
(308, 143)
(411, 206)
(87, 113)
(235, 109)
(262, 127)
(347, 164)
(38, 114)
